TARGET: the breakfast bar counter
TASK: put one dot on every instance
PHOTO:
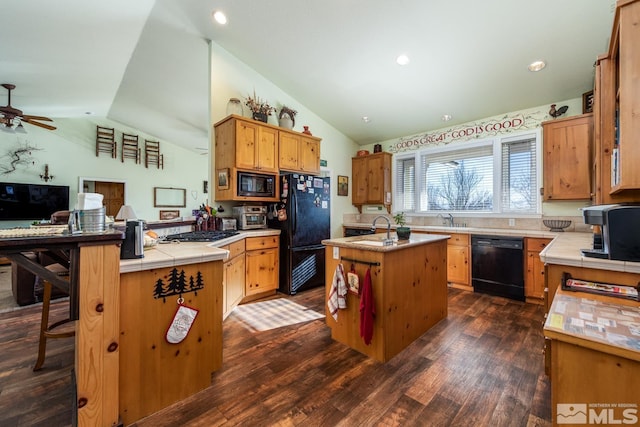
(408, 284)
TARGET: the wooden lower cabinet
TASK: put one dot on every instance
(154, 373)
(458, 265)
(458, 260)
(534, 283)
(262, 265)
(233, 277)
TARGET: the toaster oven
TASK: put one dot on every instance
(250, 217)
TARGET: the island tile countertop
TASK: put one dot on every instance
(373, 242)
(597, 322)
(565, 250)
(183, 253)
(467, 230)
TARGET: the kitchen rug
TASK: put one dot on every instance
(273, 313)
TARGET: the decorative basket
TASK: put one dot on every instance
(556, 224)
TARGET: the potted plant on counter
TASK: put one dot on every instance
(402, 231)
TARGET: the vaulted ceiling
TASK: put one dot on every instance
(145, 62)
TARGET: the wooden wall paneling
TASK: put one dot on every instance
(97, 335)
(166, 373)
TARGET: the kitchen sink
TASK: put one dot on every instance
(373, 240)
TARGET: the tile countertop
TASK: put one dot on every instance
(183, 253)
(468, 230)
(565, 250)
(372, 242)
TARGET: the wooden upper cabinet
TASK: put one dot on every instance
(310, 155)
(371, 176)
(616, 105)
(289, 146)
(299, 153)
(567, 158)
(256, 147)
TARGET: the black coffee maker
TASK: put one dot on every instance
(620, 232)
(133, 244)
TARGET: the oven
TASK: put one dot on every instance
(497, 266)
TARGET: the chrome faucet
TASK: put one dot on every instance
(373, 228)
(446, 219)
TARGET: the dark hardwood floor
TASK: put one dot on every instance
(482, 366)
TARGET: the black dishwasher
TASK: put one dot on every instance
(497, 266)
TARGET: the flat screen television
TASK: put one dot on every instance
(31, 201)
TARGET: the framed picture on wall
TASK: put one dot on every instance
(587, 102)
(169, 214)
(343, 185)
(223, 179)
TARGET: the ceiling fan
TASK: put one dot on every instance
(11, 118)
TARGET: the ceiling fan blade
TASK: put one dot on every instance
(42, 125)
(41, 118)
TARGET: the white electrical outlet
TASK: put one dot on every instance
(336, 252)
(512, 222)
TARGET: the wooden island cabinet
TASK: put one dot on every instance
(592, 350)
(409, 282)
(153, 372)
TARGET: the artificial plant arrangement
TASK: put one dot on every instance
(402, 231)
(286, 112)
(259, 107)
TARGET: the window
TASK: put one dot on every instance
(405, 184)
(497, 176)
(460, 180)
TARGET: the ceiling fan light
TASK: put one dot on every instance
(8, 129)
(20, 128)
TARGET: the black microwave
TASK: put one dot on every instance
(256, 185)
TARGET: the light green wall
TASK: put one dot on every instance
(555, 208)
(231, 78)
(70, 153)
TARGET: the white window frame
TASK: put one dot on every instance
(497, 166)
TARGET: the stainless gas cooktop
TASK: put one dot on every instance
(201, 236)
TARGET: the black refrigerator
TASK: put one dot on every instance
(303, 216)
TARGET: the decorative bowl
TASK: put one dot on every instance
(556, 224)
(362, 152)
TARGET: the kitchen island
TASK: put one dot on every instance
(409, 284)
(155, 373)
(592, 353)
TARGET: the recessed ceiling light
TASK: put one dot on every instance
(366, 119)
(537, 66)
(219, 17)
(446, 117)
(402, 59)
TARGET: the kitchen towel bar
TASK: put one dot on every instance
(375, 263)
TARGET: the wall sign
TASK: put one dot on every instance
(474, 130)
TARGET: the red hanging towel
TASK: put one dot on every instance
(367, 309)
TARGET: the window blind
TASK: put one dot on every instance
(406, 184)
(519, 178)
(458, 180)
